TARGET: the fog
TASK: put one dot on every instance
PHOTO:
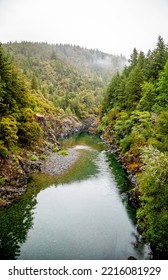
(115, 27)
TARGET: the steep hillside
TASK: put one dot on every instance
(135, 123)
(29, 125)
(72, 77)
(46, 92)
(92, 62)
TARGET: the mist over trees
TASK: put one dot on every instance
(71, 77)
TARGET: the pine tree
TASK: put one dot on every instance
(34, 82)
(162, 98)
(133, 59)
(5, 76)
(112, 94)
(157, 59)
(148, 97)
(133, 89)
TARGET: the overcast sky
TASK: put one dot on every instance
(112, 26)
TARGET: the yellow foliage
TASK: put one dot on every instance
(133, 167)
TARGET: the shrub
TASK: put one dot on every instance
(4, 152)
(152, 216)
(8, 130)
(2, 181)
(63, 153)
(27, 115)
(33, 158)
(56, 149)
(43, 157)
(30, 132)
(126, 143)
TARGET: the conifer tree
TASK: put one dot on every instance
(162, 98)
(157, 59)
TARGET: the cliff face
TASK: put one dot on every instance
(55, 128)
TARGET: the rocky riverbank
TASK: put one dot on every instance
(52, 164)
(57, 164)
(15, 170)
(133, 194)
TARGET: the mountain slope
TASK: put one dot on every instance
(135, 123)
(72, 77)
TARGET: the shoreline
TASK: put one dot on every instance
(56, 164)
(53, 165)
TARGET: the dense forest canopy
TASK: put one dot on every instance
(71, 77)
(58, 80)
(18, 103)
(135, 117)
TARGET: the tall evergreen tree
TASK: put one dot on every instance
(157, 59)
(111, 97)
(133, 90)
(133, 59)
(162, 98)
(34, 82)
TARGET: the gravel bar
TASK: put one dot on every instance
(56, 164)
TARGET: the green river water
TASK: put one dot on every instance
(80, 214)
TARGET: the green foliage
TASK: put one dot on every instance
(18, 104)
(126, 143)
(29, 132)
(8, 130)
(148, 97)
(135, 117)
(3, 150)
(13, 87)
(121, 126)
(33, 158)
(43, 157)
(34, 82)
(2, 181)
(27, 115)
(56, 149)
(162, 98)
(111, 96)
(103, 123)
(157, 59)
(152, 216)
(133, 90)
(70, 77)
(133, 59)
(63, 152)
(162, 131)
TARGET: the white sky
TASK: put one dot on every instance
(112, 26)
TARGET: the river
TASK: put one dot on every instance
(80, 214)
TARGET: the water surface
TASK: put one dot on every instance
(81, 214)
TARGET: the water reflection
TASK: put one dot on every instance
(46, 223)
(15, 223)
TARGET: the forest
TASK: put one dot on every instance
(70, 77)
(46, 92)
(41, 78)
(134, 117)
(129, 99)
